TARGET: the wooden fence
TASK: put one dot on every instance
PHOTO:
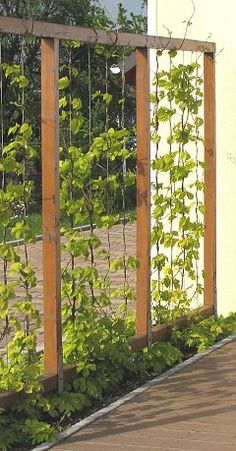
(50, 35)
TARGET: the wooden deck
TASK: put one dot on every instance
(192, 410)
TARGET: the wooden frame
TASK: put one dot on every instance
(91, 36)
(50, 34)
(144, 335)
(51, 209)
(143, 293)
(210, 180)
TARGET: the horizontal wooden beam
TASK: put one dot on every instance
(163, 332)
(49, 383)
(90, 36)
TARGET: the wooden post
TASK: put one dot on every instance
(143, 296)
(210, 181)
(50, 209)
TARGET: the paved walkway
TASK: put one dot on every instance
(116, 250)
(192, 410)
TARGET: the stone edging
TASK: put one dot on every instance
(104, 411)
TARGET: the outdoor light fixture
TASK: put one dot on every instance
(115, 69)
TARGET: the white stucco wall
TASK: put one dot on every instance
(218, 18)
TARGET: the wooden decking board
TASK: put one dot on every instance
(193, 410)
(107, 447)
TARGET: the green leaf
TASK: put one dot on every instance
(9, 164)
(172, 53)
(62, 102)
(64, 82)
(23, 81)
(26, 130)
(76, 104)
(164, 114)
(107, 98)
(96, 94)
(76, 124)
(12, 130)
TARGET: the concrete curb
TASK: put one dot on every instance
(104, 411)
(40, 237)
(82, 228)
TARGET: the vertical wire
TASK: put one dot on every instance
(171, 192)
(156, 125)
(70, 136)
(107, 169)
(70, 95)
(106, 90)
(90, 197)
(182, 188)
(124, 172)
(22, 58)
(71, 188)
(90, 138)
(90, 142)
(2, 111)
(89, 98)
(5, 265)
(197, 180)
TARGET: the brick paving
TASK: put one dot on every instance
(116, 249)
(192, 410)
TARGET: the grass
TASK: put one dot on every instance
(34, 220)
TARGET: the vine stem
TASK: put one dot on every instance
(107, 173)
(5, 333)
(24, 181)
(197, 178)
(90, 195)
(181, 97)
(2, 110)
(71, 188)
(171, 187)
(124, 171)
(156, 174)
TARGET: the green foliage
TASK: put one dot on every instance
(15, 49)
(200, 336)
(19, 364)
(95, 331)
(106, 364)
(177, 206)
(104, 368)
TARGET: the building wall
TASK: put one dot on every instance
(216, 18)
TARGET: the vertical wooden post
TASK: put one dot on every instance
(50, 209)
(143, 296)
(210, 181)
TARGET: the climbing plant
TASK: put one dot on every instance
(19, 319)
(177, 191)
(85, 184)
(91, 177)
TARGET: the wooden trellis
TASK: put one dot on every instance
(50, 35)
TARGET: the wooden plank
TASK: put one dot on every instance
(88, 35)
(210, 181)
(143, 296)
(163, 332)
(49, 383)
(50, 209)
